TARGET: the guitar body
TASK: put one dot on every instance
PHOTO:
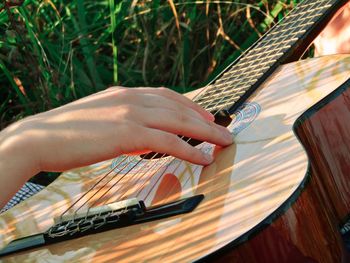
(262, 201)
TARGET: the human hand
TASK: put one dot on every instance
(119, 121)
(335, 38)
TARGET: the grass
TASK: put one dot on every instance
(55, 51)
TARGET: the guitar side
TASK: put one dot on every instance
(260, 175)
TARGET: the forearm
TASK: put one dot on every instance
(103, 126)
(17, 163)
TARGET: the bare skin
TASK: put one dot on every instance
(335, 38)
(118, 121)
(102, 126)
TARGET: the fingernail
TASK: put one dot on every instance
(228, 136)
(210, 116)
(208, 158)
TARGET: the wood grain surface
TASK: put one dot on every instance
(261, 176)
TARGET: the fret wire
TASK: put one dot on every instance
(227, 92)
(209, 94)
(229, 98)
(267, 43)
(237, 91)
(217, 99)
(287, 41)
(237, 88)
(240, 64)
(274, 28)
(240, 80)
(229, 76)
(312, 15)
(310, 10)
(247, 79)
(264, 58)
(238, 97)
(286, 33)
(232, 81)
(273, 40)
(252, 56)
(255, 68)
(281, 37)
(287, 30)
(260, 64)
(258, 49)
(290, 23)
(186, 182)
(305, 15)
(222, 105)
(289, 34)
(271, 57)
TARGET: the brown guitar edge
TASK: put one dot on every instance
(323, 149)
(305, 228)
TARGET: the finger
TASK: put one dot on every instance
(187, 102)
(172, 95)
(185, 124)
(154, 101)
(164, 142)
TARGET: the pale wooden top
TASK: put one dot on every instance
(248, 181)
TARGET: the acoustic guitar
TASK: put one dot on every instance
(278, 194)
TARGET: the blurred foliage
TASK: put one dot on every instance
(56, 51)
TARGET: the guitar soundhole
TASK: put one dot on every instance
(222, 118)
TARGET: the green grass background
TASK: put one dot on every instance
(55, 51)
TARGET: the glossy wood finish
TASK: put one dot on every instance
(249, 183)
(326, 136)
(306, 233)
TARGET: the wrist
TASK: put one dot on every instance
(17, 153)
(17, 157)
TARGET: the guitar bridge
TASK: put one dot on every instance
(115, 215)
(96, 219)
(101, 210)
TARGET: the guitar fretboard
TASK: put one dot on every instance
(246, 74)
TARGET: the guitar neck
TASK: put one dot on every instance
(283, 43)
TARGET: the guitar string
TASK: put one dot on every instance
(144, 166)
(137, 191)
(198, 95)
(179, 164)
(160, 177)
(170, 190)
(259, 46)
(113, 169)
(89, 190)
(140, 188)
(184, 183)
(164, 170)
(191, 224)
